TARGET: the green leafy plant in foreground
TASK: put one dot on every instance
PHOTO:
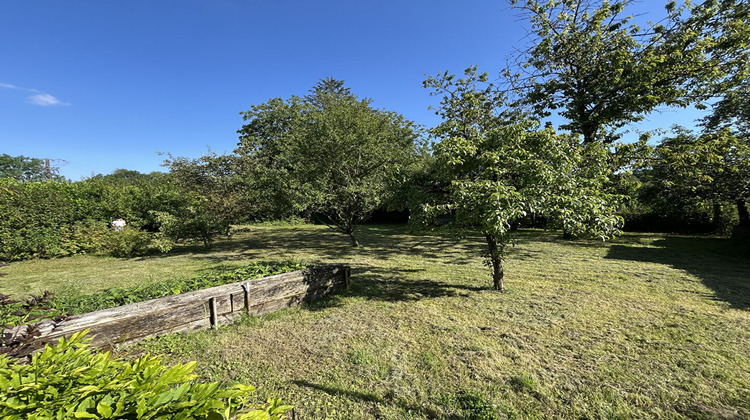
(69, 381)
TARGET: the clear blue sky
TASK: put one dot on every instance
(105, 85)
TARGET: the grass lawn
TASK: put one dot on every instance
(647, 326)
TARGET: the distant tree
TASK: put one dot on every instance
(496, 172)
(592, 64)
(22, 168)
(713, 167)
(330, 155)
(327, 91)
(130, 177)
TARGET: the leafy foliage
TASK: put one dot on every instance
(14, 312)
(70, 381)
(729, 20)
(32, 218)
(711, 168)
(213, 198)
(55, 219)
(130, 195)
(330, 155)
(496, 172)
(592, 64)
(125, 243)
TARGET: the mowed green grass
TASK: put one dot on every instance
(646, 326)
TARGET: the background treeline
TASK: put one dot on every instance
(491, 165)
(53, 218)
(688, 183)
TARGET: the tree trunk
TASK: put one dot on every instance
(497, 263)
(717, 217)
(743, 213)
(589, 132)
(353, 238)
(567, 234)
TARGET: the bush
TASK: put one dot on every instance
(126, 243)
(194, 223)
(83, 237)
(32, 215)
(55, 219)
(70, 381)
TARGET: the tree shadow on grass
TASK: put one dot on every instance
(369, 397)
(326, 246)
(340, 392)
(713, 260)
(391, 285)
(380, 243)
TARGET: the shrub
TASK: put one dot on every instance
(31, 217)
(70, 381)
(83, 237)
(194, 223)
(128, 242)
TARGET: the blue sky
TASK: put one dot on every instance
(103, 85)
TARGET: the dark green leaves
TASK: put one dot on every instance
(69, 381)
(330, 156)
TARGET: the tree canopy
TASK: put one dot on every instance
(593, 65)
(22, 168)
(497, 172)
(330, 154)
(714, 167)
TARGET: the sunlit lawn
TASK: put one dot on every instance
(646, 326)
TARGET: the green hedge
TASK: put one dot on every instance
(50, 219)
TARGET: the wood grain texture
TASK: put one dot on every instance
(190, 311)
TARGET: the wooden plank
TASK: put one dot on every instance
(190, 311)
(309, 276)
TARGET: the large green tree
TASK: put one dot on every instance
(713, 167)
(730, 21)
(589, 62)
(496, 172)
(22, 168)
(330, 155)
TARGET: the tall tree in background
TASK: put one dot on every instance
(714, 167)
(590, 63)
(498, 171)
(330, 155)
(22, 168)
